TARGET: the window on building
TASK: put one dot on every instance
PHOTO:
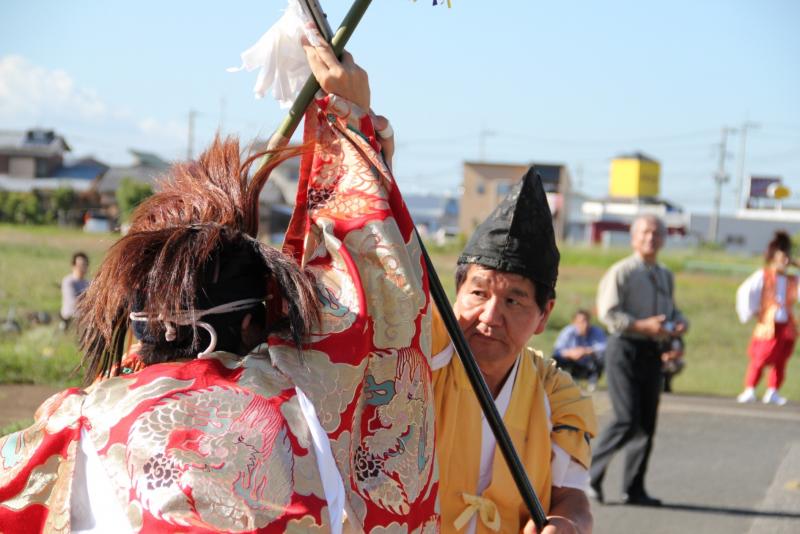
(481, 189)
(503, 189)
(41, 167)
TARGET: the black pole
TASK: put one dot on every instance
(435, 285)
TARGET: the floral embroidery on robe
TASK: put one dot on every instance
(367, 369)
(214, 444)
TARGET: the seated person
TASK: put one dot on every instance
(580, 347)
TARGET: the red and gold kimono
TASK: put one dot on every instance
(219, 444)
(214, 444)
(367, 368)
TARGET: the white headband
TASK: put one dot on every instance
(191, 317)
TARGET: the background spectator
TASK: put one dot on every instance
(580, 349)
(72, 286)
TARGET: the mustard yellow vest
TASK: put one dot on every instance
(458, 435)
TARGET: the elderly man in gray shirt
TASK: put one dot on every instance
(635, 301)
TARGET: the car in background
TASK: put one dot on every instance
(97, 222)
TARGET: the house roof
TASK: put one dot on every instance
(148, 159)
(147, 168)
(429, 205)
(550, 172)
(26, 185)
(110, 181)
(34, 142)
(87, 169)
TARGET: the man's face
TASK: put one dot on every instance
(81, 266)
(498, 314)
(646, 237)
(581, 323)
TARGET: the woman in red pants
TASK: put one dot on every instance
(769, 294)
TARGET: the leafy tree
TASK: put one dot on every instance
(27, 208)
(3, 201)
(61, 201)
(130, 194)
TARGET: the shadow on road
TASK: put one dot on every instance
(722, 510)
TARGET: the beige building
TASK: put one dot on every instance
(486, 184)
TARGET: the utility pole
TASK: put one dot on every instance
(746, 125)
(579, 176)
(190, 145)
(720, 178)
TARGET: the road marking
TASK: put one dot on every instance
(602, 405)
(780, 498)
(776, 414)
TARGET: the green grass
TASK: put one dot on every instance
(41, 354)
(34, 259)
(705, 291)
(15, 426)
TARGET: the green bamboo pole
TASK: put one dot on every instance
(287, 128)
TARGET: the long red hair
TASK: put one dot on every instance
(158, 267)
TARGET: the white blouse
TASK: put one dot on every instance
(748, 297)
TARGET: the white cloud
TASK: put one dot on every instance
(31, 95)
(171, 128)
(30, 91)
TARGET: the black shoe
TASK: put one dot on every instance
(642, 499)
(595, 492)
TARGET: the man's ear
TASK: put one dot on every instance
(548, 309)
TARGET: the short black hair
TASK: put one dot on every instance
(79, 255)
(542, 293)
(780, 242)
(583, 311)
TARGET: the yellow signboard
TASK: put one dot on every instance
(634, 176)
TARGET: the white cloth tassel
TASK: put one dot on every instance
(280, 56)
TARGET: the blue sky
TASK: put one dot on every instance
(572, 81)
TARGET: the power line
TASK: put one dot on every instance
(784, 154)
(574, 141)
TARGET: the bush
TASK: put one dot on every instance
(23, 208)
(61, 202)
(130, 194)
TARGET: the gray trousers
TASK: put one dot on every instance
(633, 373)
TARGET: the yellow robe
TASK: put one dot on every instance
(458, 435)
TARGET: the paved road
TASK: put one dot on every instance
(717, 465)
(18, 402)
